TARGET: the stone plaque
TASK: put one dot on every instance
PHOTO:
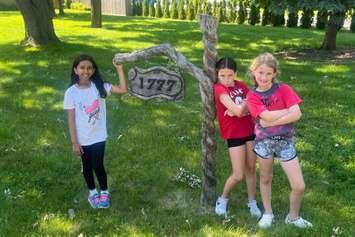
(156, 82)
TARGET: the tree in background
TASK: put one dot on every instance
(198, 8)
(207, 8)
(174, 10)
(151, 9)
(214, 8)
(145, 10)
(181, 10)
(322, 19)
(254, 15)
(190, 11)
(352, 25)
(158, 11)
(241, 15)
(38, 20)
(231, 11)
(96, 17)
(166, 13)
(307, 18)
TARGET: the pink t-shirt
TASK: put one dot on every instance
(232, 126)
(279, 96)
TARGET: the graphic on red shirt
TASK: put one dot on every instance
(280, 96)
(232, 126)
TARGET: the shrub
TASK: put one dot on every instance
(254, 15)
(322, 19)
(174, 10)
(181, 10)
(241, 13)
(158, 11)
(151, 10)
(292, 19)
(306, 20)
(79, 6)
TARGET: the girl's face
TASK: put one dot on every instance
(226, 76)
(264, 76)
(84, 70)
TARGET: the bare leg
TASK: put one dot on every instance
(250, 176)
(294, 174)
(237, 156)
(265, 167)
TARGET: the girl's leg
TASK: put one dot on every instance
(237, 156)
(98, 164)
(250, 175)
(86, 159)
(265, 167)
(294, 174)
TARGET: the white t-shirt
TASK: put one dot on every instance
(90, 112)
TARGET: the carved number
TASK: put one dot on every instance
(160, 83)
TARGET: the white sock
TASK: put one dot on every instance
(92, 191)
(105, 191)
(253, 201)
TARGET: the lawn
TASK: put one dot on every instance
(149, 141)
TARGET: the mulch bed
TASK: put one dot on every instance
(339, 55)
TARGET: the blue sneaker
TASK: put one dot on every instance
(105, 199)
(94, 200)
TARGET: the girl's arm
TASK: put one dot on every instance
(270, 116)
(294, 113)
(233, 109)
(77, 149)
(122, 87)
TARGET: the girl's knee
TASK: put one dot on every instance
(236, 178)
(299, 188)
(265, 179)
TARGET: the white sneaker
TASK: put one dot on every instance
(266, 221)
(221, 206)
(299, 222)
(254, 209)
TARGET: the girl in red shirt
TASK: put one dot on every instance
(236, 126)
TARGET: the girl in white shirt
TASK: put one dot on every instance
(84, 101)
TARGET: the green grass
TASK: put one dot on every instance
(40, 179)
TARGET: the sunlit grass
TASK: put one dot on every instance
(148, 141)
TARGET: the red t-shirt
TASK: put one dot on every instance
(232, 126)
(279, 96)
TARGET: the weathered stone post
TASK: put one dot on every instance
(208, 143)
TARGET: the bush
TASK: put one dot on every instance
(68, 3)
(166, 13)
(254, 16)
(292, 19)
(277, 20)
(151, 9)
(174, 11)
(306, 20)
(79, 6)
(190, 11)
(322, 19)
(158, 11)
(266, 18)
(352, 25)
(145, 10)
(181, 10)
(241, 13)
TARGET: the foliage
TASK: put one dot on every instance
(166, 6)
(151, 9)
(352, 25)
(40, 179)
(322, 19)
(292, 19)
(181, 10)
(158, 11)
(254, 16)
(241, 15)
(79, 6)
(145, 8)
(306, 19)
(174, 10)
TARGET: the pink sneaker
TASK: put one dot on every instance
(105, 199)
(94, 200)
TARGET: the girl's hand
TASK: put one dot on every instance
(229, 113)
(118, 66)
(77, 149)
(264, 123)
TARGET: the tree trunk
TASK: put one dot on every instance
(96, 14)
(37, 17)
(334, 24)
(208, 142)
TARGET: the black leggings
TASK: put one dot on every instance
(93, 160)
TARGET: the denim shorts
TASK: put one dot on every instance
(281, 147)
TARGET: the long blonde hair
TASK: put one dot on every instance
(265, 58)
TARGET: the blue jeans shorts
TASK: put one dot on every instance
(281, 147)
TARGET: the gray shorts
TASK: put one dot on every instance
(281, 147)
